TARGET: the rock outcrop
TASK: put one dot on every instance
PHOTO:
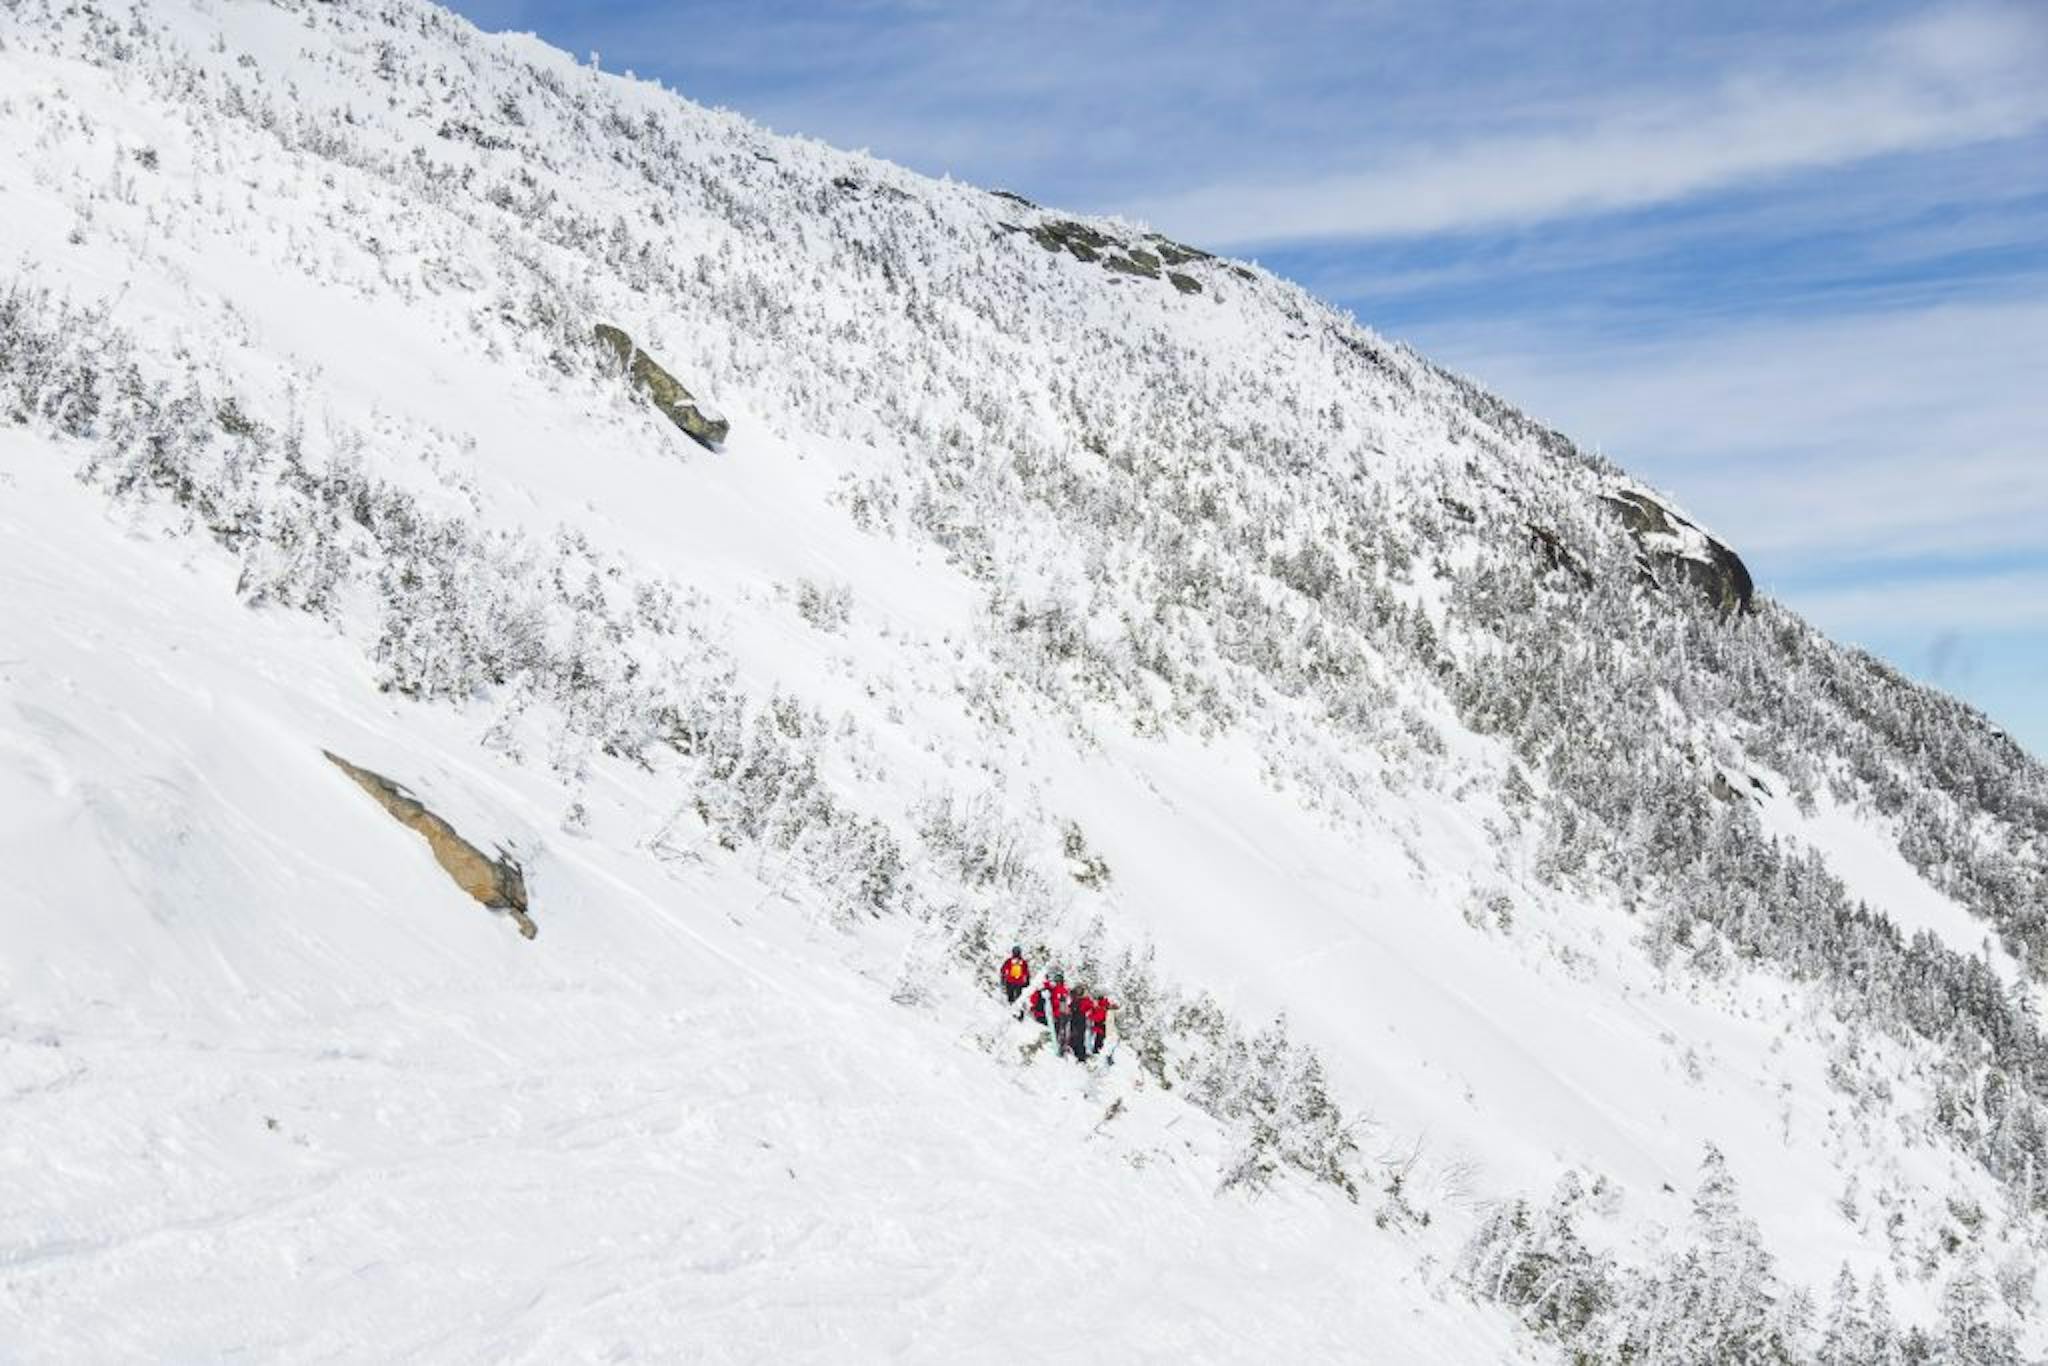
(1557, 557)
(1146, 259)
(499, 883)
(703, 425)
(1672, 542)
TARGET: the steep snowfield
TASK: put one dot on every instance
(1866, 856)
(269, 1084)
(272, 1086)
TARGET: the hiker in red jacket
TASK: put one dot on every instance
(1098, 1020)
(1049, 1003)
(1016, 974)
(1052, 991)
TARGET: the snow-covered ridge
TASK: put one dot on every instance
(1012, 564)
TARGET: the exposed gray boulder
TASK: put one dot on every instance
(1557, 557)
(1670, 541)
(1081, 241)
(699, 421)
(1176, 253)
(1132, 265)
(1092, 246)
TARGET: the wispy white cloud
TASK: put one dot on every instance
(1939, 81)
(1916, 433)
(1962, 225)
(1943, 607)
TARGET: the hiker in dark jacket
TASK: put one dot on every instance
(1077, 1024)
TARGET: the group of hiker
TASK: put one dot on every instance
(1077, 1017)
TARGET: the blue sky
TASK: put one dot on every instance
(1789, 262)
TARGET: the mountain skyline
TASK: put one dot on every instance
(1793, 265)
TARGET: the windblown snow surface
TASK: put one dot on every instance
(1172, 632)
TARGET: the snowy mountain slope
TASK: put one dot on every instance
(1012, 560)
(272, 1086)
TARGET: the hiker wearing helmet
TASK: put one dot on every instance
(1051, 996)
(1049, 1004)
(1016, 974)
